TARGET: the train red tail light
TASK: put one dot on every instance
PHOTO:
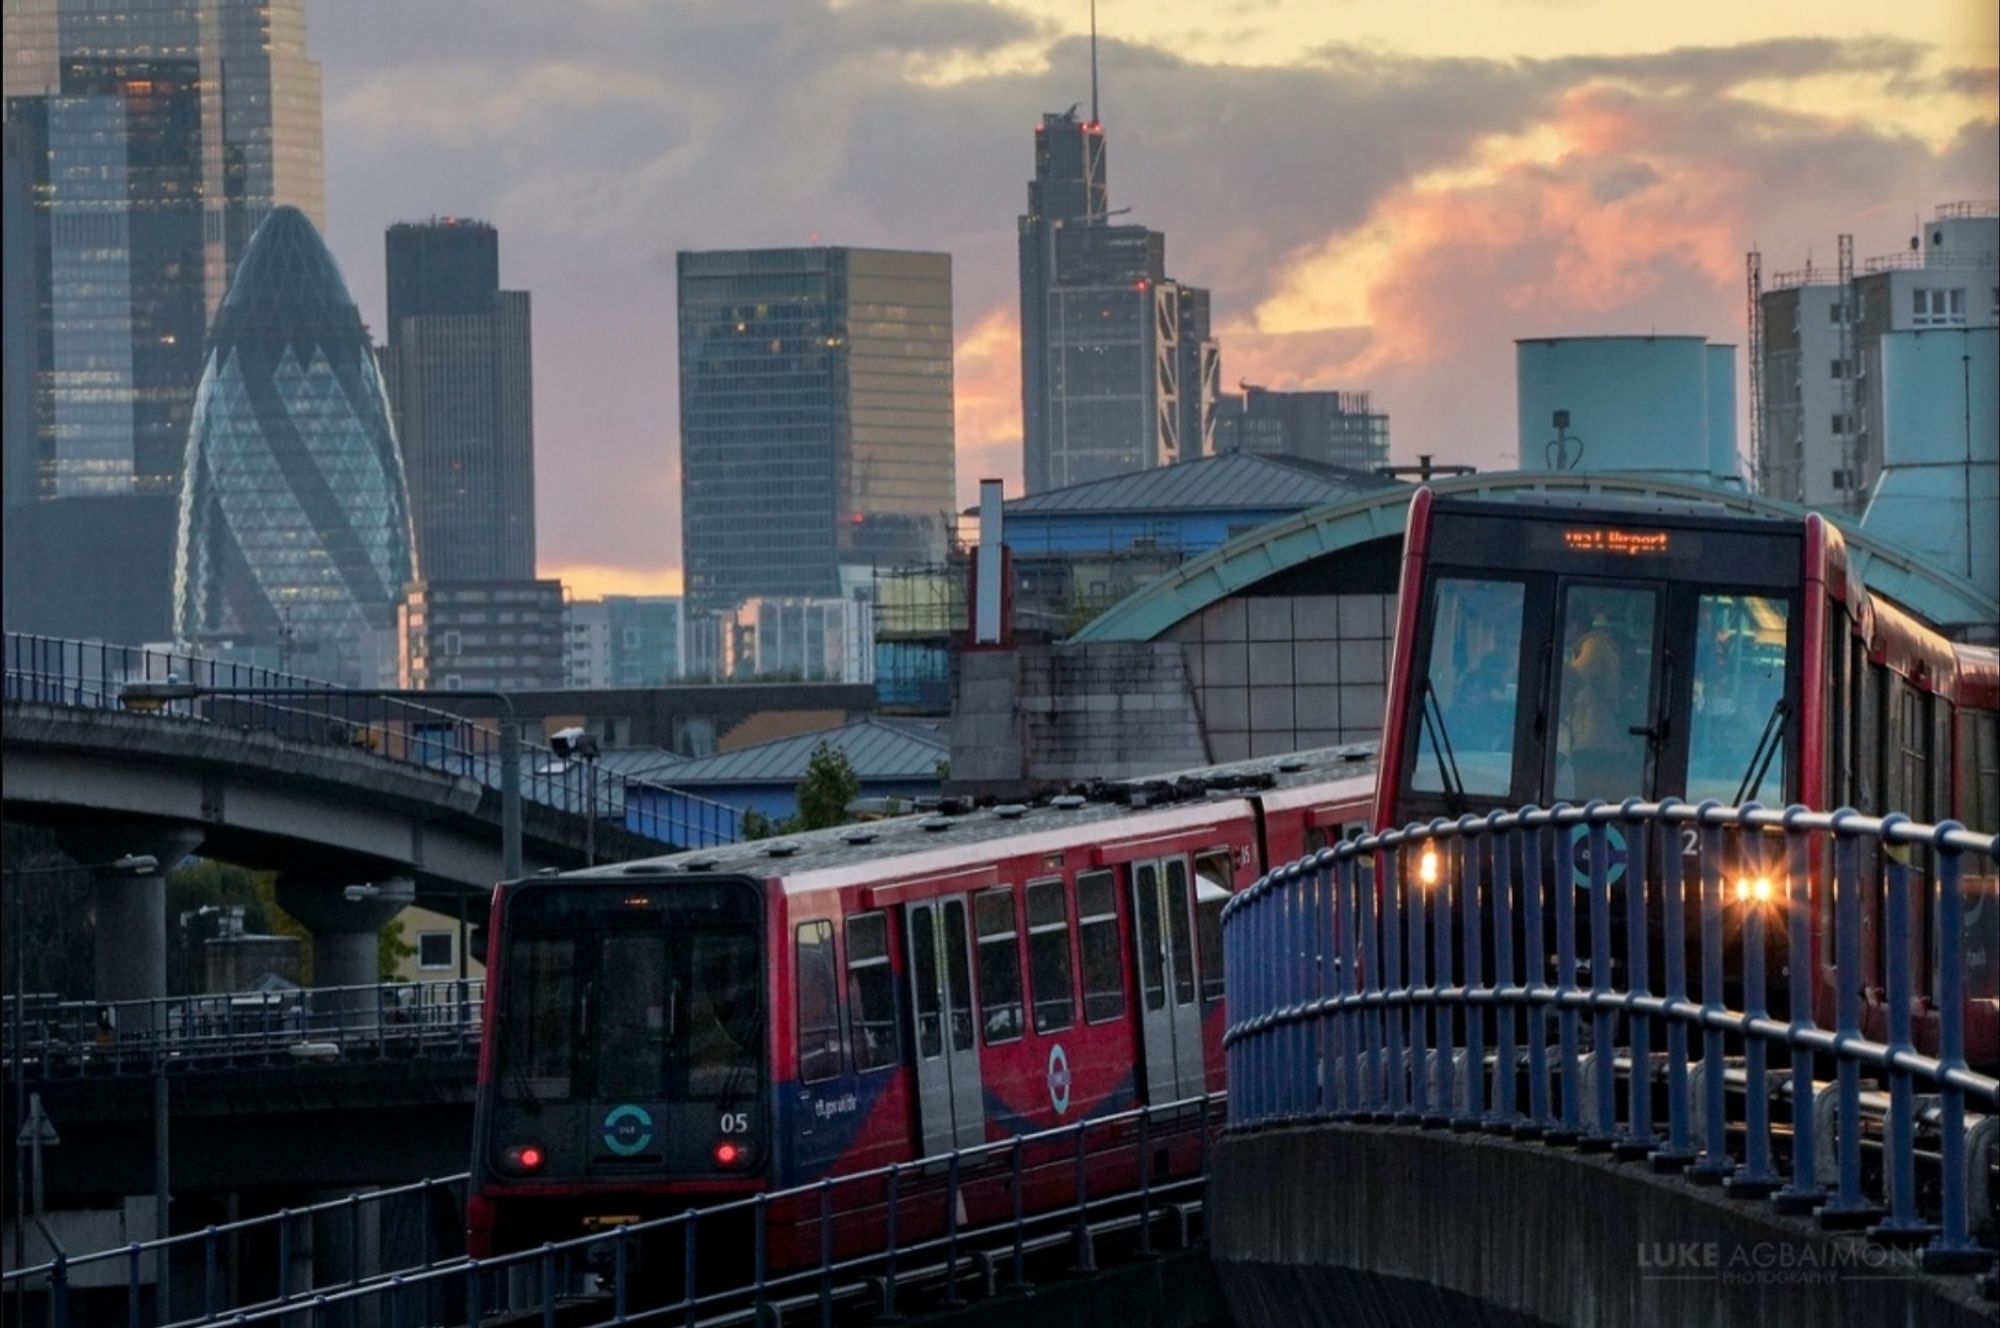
(728, 1154)
(524, 1158)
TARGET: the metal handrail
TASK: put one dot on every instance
(395, 1287)
(1350, 972)
(250, 1026)
(90, 675)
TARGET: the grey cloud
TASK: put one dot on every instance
(601, 139)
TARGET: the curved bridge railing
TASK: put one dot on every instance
(1509, 973)
(90, 675)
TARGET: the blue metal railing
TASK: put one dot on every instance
(90, 675)
(1106, 1161)
(249, 1029)
(1357, 991)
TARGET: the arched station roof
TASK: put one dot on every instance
(1148, 612)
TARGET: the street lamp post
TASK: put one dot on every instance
(151, 697)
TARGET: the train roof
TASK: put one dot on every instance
(957, 826)
(1673, 508)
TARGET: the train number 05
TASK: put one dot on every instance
(735, 1122)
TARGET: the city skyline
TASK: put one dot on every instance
(1333, 184)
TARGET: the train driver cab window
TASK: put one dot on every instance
(1048, 957)
(871, 991)
(819, 1005)
(1097, 934)
(1211, 893)
(1467, 699)
(999, 965)
(1605, 689)
(1736, 727)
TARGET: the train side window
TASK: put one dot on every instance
(819, 1003)
(1097, 935)
(871, 991)
(1211, 893)
(1178, 907)
(1316, 839)
(1048, 957)
(999, 964)
(1979, 770)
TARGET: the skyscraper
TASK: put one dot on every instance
(460, 367)
(294, 521)
(145, 142)
(1118, 368)
(816, 417)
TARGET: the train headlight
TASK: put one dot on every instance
(1427, 866)
(1754, 889)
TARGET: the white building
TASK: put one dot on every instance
(810, 640)
(1823, 422)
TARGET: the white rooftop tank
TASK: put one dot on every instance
(1661, 404)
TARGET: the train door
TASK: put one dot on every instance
(1605, 730)
(1163, 956)
(951, 1109)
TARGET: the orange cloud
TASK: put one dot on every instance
(596, 580)
(986, 372)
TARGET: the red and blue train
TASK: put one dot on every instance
(711, 1024)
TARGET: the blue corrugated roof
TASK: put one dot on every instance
(1232, 480)
(877, 749)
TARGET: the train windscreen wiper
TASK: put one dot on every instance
(1434, 727)
(1768, 743)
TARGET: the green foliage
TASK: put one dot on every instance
(756, 825)
(829, 785)
(281, 923)
(391, 950)
(46, 917)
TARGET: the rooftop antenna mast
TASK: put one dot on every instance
(1093, 63)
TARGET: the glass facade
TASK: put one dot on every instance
(158, 136)
(816, 417)
(1118, 367)
(294, 520)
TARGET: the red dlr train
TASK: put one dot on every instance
(686, 1029)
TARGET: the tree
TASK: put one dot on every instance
(756, 825)
(829, 785)
(391, 950)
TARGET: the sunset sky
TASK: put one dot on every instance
(1381, 194)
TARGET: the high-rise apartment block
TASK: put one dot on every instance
(459, 364)
(1118, 366)
(627, 641)
(1331, 428)
(1825, 393)
(482, 635)
(816, 417)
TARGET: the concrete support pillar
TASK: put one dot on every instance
(344, 918)
(130, 909)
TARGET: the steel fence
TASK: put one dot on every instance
(230, 1030)
(546, 1278)
(1414, 976)
(92, 674)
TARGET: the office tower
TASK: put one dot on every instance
(816, 417)
(459, 366)
(1118, 369)
(627, 641)
(1332, 428)
(294, 521)
(1825, 395)
(144, 143)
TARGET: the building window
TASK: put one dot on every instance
(1839, 424)
(452, 682)
(1838, 369)
(1938, 308)
(435, 950)
(453, 643)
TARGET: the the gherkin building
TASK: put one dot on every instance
(295, 516)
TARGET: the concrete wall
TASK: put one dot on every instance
(1111, 711)
(1281, 673)
(1369, 1226)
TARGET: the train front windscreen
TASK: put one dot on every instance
(629, 1033)
(1568, 656)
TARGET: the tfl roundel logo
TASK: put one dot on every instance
(628, 1129)
(1058, 1079)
